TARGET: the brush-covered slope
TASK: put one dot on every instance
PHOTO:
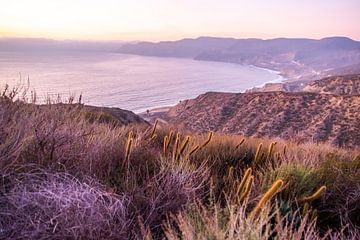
(300, 116)
(342, 84)
(339, 85)
(114, 116)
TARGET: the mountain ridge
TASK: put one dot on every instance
(294, 58)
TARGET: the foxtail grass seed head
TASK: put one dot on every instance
(183, 146)
(169, 139)
(243, 182)
(194, 150)
(240, 143)
(246, 193)
(128, 147)
(154, 128)
(166, 139)
(266, 198)
(257, 154)
(207, 140)
(270, 151)
(314, 196)
(176, 145)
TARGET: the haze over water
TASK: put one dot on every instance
(130, 82)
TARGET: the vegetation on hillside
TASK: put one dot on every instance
(69, 174)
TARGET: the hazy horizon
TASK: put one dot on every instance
(160, 40)
(158, 20)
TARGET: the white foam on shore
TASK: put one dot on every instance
(279, 79)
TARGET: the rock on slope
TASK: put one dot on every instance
(302, 116)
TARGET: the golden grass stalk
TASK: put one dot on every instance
(176, 145)
(128, 147)
(154, 128)
(207, 141)
(246, 193)
(257, 154)
(313, 196)
(194, 150)
(243, 182)
(284, 150)
(166, 139)
(152, 138)
(266, 197)
(241, 142)
(305, 209)
(314, 216)
(231, 173)
(270, 151)
(277, 157)
(183, 146)
(169, 139)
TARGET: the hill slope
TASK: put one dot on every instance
(348, 84)
(300, 116)
(339, 85)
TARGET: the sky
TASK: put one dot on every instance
(156, 20)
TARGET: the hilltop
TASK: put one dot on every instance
(295, 59)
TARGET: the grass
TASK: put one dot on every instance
(66, 173)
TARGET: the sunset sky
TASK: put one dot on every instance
(169, 19)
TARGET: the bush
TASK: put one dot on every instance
(43, 205)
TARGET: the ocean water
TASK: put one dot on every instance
(130, 82)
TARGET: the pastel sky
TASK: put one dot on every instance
(169, 19)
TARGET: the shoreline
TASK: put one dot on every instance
(279, 79)
(156, 111)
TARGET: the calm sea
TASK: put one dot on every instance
(131, 82)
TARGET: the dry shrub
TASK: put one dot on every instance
(43, 205)
(233, 223)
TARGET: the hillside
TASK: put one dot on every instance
(339, 85)
(343, 84)
(296, 59)
(299, 116)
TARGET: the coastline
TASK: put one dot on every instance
(279, 79)
(156, 113)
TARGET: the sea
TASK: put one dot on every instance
(135, 83)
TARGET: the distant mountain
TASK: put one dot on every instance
(350, 69)
(42, 44)
(301, 116)
(185, 48)
(296, 59)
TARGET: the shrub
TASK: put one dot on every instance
(43, 205)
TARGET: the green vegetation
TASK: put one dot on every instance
(66, 174)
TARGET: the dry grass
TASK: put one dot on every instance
(63, 176)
